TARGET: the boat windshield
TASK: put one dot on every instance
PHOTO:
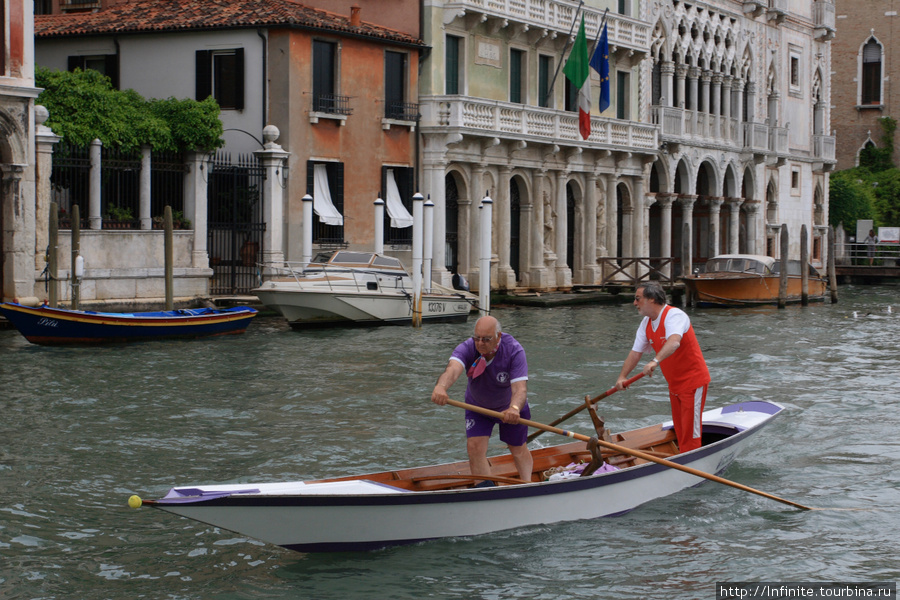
(735, 265)
(387, 261)
(794, 268)
(322, 257)
(346, 257)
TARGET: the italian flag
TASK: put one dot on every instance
(577, 71)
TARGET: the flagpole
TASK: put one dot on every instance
(599, 32)
(560, 63)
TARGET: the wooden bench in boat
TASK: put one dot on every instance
(652, 440)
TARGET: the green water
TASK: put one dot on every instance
(81, 429)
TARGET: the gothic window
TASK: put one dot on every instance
(870, 89)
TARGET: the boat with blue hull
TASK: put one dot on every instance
(402, 506)
(57, 326)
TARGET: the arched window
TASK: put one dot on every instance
(871, 73)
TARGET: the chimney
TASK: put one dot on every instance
(354, 16)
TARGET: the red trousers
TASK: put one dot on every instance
(687, 408)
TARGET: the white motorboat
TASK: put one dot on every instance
(401, 506)
(352, 287)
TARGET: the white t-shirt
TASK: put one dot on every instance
(677, 321)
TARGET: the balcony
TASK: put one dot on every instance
(754, 8)
(681, 126)
(823, 16)
(823, 147)
(535, 20)
(489, 118)
(778, 10)
(330, 106)
(400, 113)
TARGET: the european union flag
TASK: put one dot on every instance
(600, 63)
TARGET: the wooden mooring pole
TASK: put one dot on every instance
(782, 285)
(169, 257)
(832, 272)
(52, 263)
(804, 267)
(76, 249)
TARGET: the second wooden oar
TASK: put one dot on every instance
(575, 411)
(636, 453)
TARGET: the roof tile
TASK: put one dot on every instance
(144, 16)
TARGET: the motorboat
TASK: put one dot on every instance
(750, 279)
(346, 287)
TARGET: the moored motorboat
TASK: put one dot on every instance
(402, 506)
(350, 287)
(56, 326)
(750, 279)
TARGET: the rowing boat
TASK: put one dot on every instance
(57, 326)
(365, 512)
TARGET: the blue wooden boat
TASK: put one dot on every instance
(56, 326)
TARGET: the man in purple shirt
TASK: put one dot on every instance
(497, 371)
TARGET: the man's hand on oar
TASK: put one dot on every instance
(575, 411)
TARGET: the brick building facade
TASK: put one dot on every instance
(863, 60)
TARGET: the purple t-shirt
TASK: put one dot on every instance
(493, 388)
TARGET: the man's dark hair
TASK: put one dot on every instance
(654, 292)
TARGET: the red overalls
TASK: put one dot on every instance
(688, 378)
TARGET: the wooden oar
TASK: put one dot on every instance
(575, 411)
(636, 453)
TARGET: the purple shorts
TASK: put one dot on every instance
(478, 425)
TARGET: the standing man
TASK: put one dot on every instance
(498, 373)
(667, 331)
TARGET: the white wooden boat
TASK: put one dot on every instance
(350, 287)
(750, 279)
(363, 512)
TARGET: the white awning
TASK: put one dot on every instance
(322, 204)
(400, 217)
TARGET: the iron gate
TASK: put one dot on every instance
(236, 223)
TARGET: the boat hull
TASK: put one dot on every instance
(56, 326)
(311, 308)
(366, 515)
(729, 289)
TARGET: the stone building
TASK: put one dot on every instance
(18, 260)
(715, 139)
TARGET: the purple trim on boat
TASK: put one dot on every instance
(753, 406)
(190, 495)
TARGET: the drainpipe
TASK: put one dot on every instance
(265, 75)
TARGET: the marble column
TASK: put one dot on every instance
(705, 76)
(664, 200)
(436, 191)
(715, 211)
(667, 70)
(752, 208)
(681, 70)
(563, 270)
(687, 225)
(734, 224)
(590, 272)
(693, 82)
(506, 277)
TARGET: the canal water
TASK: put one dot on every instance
(82, 429)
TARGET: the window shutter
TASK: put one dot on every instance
(239, 79)
(203, 74)
(76, 62)
(872, 52)
(112, 69)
